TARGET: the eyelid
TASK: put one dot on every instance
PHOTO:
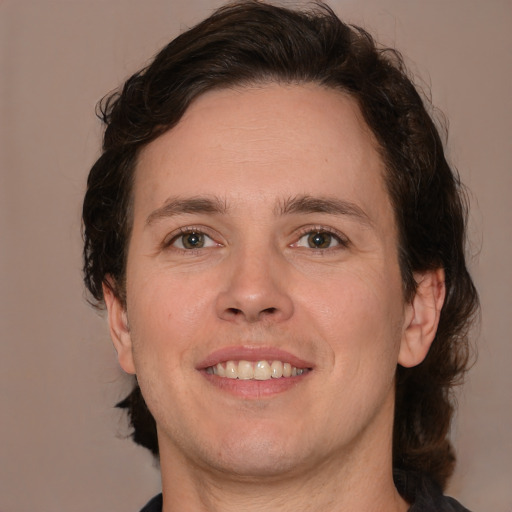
(340, 237)
(184, 230)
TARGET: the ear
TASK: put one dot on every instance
(422, 317)
(119, 328)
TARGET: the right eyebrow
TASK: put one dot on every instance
(177, 206)
(328, 205)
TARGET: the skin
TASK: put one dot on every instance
(323, 443)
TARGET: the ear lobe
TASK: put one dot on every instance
(422, 317)
(119, 329)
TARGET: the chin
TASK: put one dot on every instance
(256, 462)
(255, 454)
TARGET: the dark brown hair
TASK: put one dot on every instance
(251, 42)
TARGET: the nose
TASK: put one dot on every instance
(255, 289)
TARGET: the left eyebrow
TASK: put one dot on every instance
(329, 205)
(179, 206)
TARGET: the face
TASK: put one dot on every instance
(264, 315)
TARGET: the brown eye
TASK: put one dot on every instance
(319, 240)
(193, 240)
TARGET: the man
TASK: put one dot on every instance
(279, 243)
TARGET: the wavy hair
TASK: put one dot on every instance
(250, 42)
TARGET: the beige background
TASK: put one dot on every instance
(62, 445)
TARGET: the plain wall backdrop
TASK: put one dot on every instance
(62, 442)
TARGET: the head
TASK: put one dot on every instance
(249, 44)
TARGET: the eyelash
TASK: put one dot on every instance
(341, 239)
(188, 230)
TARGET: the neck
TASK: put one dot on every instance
(359, 479)
(307, 493)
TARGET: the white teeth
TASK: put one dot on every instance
(276, 368)
(261, 370)
(231, 370)
(220, 370)
(245, 370)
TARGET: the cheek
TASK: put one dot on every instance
(360, 315)
(164, 314)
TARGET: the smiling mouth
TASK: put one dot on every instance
(255, 370)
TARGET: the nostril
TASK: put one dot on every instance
(235, 312)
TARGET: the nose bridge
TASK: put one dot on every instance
(255, 285)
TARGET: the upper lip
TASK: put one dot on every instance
(252, 353)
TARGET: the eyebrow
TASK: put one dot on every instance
(304, 204)
(329, 205)
(179, 206)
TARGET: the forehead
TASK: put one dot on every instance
(261, 141)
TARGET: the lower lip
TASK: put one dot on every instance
(254, 389)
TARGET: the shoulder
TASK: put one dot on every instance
(424, 494)
(154, 505)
